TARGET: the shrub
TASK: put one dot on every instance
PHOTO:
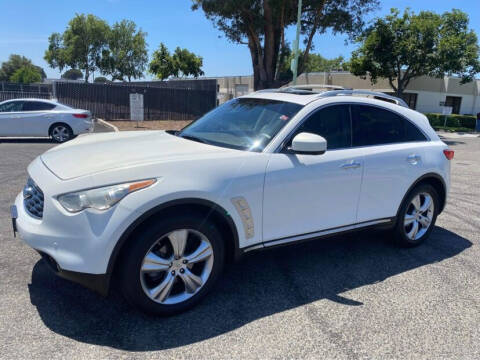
(454, 120)
(100, 79)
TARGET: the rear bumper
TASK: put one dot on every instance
(96, 282)
(83, 127)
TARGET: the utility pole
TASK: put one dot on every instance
(296, 50)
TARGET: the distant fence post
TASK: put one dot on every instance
(54, 89)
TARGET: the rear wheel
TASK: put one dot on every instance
(171, 265)
(417, 216)
(61, 133)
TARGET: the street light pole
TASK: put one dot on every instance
(296, 45)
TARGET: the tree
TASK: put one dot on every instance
(16, 62)
(56, 55)
(26, 74)
(261, 24)
(81, 45)
(315, 63)
(127, 54)
(162, 63)
(402, 47)
(187, 63)
(72, 74)
(181, 63)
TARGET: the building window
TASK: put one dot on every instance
(241, 89)
(454, 102)
(409, 98)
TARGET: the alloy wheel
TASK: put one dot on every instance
(419, 216)
(177, 266)
(60, 133)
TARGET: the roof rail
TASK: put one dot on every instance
(312, 87)
(374, 94)
(289, 90)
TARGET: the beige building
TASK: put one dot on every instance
(424, 94)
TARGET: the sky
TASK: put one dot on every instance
(26, 24)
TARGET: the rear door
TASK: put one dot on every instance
(393, 149)
(11, 118)
(37, 117)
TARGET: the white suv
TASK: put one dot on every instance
(163, 211)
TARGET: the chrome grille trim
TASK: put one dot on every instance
(33, 199)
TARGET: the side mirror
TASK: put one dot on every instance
(309, 144)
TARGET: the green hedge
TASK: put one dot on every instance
(454, 120)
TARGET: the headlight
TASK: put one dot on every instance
(100, 198)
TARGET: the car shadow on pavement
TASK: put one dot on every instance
(453, 142)
(262, 284)
(27, 140)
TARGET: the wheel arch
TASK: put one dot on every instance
(214, 212)
(434, 180)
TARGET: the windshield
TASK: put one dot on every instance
(244, 124)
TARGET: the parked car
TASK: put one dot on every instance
(163, 211)
(39, 117)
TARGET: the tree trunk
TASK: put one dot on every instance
(87, 74)
(269, 46)
(400, 88)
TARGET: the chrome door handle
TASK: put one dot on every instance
(413, 159)
(351, 165)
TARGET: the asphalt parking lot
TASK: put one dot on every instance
(355, 296)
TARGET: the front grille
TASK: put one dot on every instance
(33, 199)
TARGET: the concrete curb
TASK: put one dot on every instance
(108, 125)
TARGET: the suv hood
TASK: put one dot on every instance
(91, 154)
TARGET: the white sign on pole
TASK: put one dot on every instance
(447, 110)
(136, 107)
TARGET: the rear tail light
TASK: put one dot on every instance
(448, 153)
(80, 116)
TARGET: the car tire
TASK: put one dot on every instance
(154, 277)
(61, 132)
(417, 215)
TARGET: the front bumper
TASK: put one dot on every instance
(96, 282)
(81, 242)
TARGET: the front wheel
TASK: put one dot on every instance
(417, 216)
(171, 265)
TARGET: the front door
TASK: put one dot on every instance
(11, 122)
(309, 193)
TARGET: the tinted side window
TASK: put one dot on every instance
(412, 133)
(37, 106)
(333, 123)
(375, 126)
(12, 106)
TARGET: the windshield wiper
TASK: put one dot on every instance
(193, 138)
